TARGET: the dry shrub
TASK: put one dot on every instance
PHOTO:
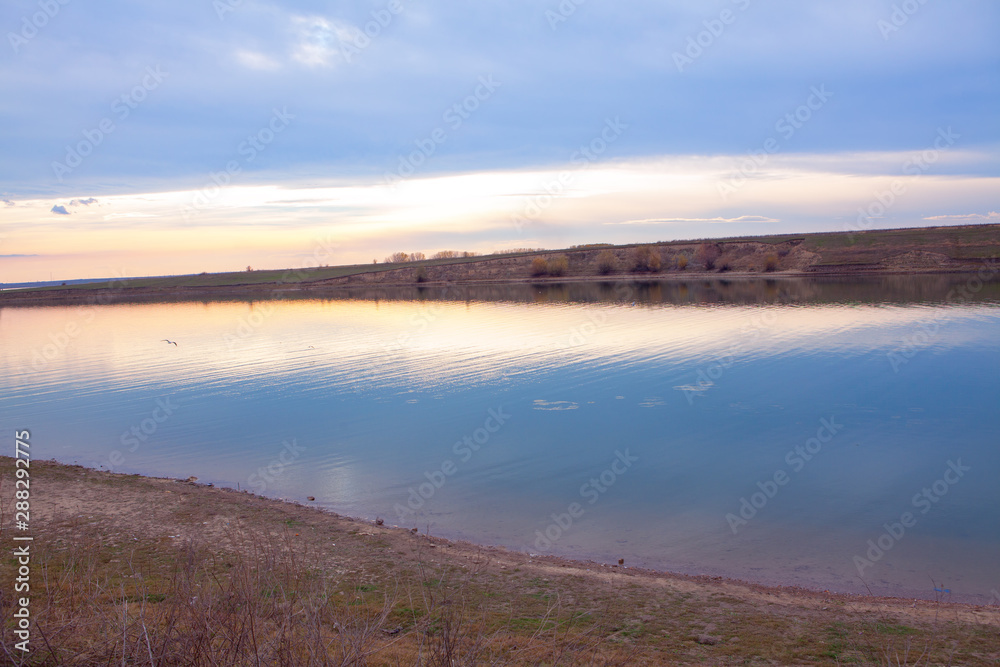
(607, 262)
(682, 262)
(646, 258)
(771, 263)
(708, 254)
(402, 257)
(558, 266)
(257, 605)
(539, 267)
(262, 600)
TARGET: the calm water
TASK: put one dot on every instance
(762, 430)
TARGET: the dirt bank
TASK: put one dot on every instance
(179, 552)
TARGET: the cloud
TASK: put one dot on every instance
(61, 210)
(13, 256)
(319, 41)
(992, 216)
(7, 202)
(671, 221)
(82, 202)
(558, 86)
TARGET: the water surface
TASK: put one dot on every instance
(765, 430)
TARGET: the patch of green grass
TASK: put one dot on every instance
(631, 630)
(836, 635)
(981, 252)
(148, 597)
(887, 629)
(409, 612)
(271, 592)
(531, 624)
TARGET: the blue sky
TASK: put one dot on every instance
(224, 133)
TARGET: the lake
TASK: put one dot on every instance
(837, 434)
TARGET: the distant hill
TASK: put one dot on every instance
(917, 250)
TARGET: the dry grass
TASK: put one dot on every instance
(260, 602)
(135, 571)
(101, 595)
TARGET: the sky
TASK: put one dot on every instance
(164, 137)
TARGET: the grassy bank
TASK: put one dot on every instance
(923, 250)
(140, 571)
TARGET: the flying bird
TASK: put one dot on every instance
(170, 341)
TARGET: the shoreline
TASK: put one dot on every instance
(566, 561)
(869, 253)
(137, 540)
(106, 296)
(582, 562)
